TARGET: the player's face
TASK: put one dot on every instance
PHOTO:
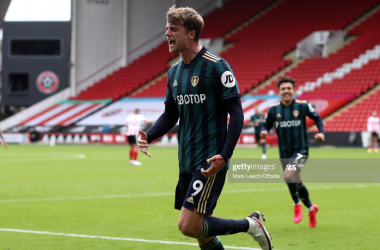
(374, 113)
(177, 36)
(286, 91)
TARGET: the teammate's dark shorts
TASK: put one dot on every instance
(296, 161)
(374, 134)
(132, 139)
(257, 135)
(198, 191)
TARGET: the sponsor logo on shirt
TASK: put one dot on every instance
(228, 79)
(190, 99)
(288, 124)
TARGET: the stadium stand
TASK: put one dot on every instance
(273, 35)
(217, 24)
(127, 79)
(157, 89)
(141, 71)
(258, 50)
(357, 82)
(355, 117)
(351, 70)
(362, 75)
(367, 37)
(222, 20)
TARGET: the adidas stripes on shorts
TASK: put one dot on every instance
(196, 191)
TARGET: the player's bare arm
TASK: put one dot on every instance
(142, 142)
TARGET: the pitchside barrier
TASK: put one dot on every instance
(336, 139)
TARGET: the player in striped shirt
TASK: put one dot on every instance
(289, 118)
(201, 92)
(373, 127)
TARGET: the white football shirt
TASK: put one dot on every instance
(134, 123)
(373, 124)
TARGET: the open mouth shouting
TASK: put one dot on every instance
(171, 43)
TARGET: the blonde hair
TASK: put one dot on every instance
(188, 17)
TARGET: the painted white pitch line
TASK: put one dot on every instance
(169, 194)
(114, 238)
(88, 197)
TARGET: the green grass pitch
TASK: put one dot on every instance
(74, 192)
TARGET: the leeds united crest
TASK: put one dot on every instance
(194, 80)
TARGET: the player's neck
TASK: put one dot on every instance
(287, 103)
(191, 52)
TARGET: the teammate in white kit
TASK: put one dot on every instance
(133, 124)
(373, 126)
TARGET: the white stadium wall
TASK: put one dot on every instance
(143, 34)
(98, 42)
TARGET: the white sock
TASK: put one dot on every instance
(310, 208)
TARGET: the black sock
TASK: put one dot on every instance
(304, 195)
(263, 145)
(213, 226)
(294, 192)
(214, 244)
